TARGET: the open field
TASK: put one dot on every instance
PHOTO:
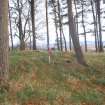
(33, 81)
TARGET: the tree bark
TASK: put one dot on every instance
(83, 25)
(99, 24)
(22, 44)
(76, 17)
(65, 45)
(4, 36)
(70, 39)
(77, 48)
(95, 25)
(47, 24)
(21, 35)
(56, 28)
(60, 25)
(10, 27)
(33, 23)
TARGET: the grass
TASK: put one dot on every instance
(90, 97)
(33, 81)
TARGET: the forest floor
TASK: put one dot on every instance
(33, 81)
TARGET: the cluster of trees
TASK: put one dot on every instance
(22, 15)
(19, 19)
(23, 24)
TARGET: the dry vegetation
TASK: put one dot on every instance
(33, 81)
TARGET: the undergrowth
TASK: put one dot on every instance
(33, 81)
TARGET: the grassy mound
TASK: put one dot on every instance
(33, 81)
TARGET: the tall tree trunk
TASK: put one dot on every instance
(97, 29)
(95, 25)
(77, 48)
(64, 40)
(22, 44)
(4, 36)
(99, 24)
(76, 17)
(33, 23)
(83, 25)
(30, 46)
(21, 35)
(60, 25)
(10, 27)
(47, 25)
(56, 28)
(70, 39)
